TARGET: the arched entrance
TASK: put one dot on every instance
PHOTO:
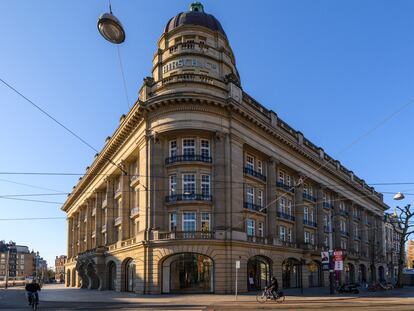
(362, 273)
(258, 272)
(381, 274)
(93, 278)
(128, 272)
(349, 273)
(68, 278)
(372, 273)
(290, 273)
(188, 273)
(111, 275)
(74, 281)
(315, 273)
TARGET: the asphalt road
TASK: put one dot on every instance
(59, 298)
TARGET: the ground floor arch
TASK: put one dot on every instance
(258, 272)
(349, 273)
(128, 275)
(381, 274)
(67, 279)
(362, 274)
(291, 273)
(315, 273)
(111, 275)
(74, 278)
(188, 273)
(94, 282)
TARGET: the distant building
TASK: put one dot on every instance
(410, 254)
(60, 268)
(41, 268)
(392, 246)
(16, 261)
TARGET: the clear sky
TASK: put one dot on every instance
(331, 69)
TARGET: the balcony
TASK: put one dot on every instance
(357, 238)
(343, 213)
(356, 217)
(251, 172)
(188, 158)
(256, 239)
(186, 235)
(118, 221)
(326, 229)
(287, 243)
(327, 205)
(134, 212)
(134, 180)
(345, 233)
(309, 197)
(308, 222)
(254, 207)
(285, 187)
(285, 216)
(188, 197)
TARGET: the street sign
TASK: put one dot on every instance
(339, 265)
(325, 257)
(338, 256)
(237, 264)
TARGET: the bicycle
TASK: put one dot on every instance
(266, 295)
(33, 301)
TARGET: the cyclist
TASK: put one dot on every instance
(274, 286)
(32, 290)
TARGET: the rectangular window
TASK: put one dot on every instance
(205, 221)
(312, 239)
(282, 177)
(205, 148)
(173, 148)
(205, 185)
(282, 233)
(260, 198)
(307, 236)
(311, 215)
(325, 220)
(306, 213)
(289, 235)
(288, 180)
(250, 227)
(173, 184)
(305, 189)
(189, 147)
(282, 205)
(289, 208)
(260, 229)
(260, 166)
(189, 184)
(326, 241)
(173, 221)
(250, 162)
(189, 221)
(249, 194)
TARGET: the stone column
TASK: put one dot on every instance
(110, 211)
(235, 208)
(271, 198)
(220, 191)
(300, 239)
(125, 210)
(98, 219)
(158, 210)
(88, 225)
(75, 219)
(70, 237)
(319, 217)
(350, 220)
(144, 161)
(336, 223)
(82, 228)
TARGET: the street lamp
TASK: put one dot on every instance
(399, 196)
(111, 28)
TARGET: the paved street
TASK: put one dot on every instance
(56, 297)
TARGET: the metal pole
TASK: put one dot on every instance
(236, 284)
(331, 276)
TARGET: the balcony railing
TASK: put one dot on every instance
(310, 223)
(344, 232)
(309, 197)
(254, 207)
(343, 213)
(256, 239)
(326, 229)
(178, 235)
(254, 173)
(357, 237)
(188, 197)
(356, 217)
(327, 205)
(188, 158)
(285, 216)
(285, 187)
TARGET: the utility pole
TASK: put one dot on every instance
(331, 275)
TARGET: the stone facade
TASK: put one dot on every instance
(199, 175)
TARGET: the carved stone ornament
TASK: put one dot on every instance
(149, 81)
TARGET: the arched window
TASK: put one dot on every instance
(258, 272)
(111, 275)
(290, 273)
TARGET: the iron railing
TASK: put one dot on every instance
(285, 216)
(183, 235)
(254, 207)
(188, 158)
(254, 173)
(188, 197)
(285, 187)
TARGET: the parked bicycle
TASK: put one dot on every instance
(266, 295)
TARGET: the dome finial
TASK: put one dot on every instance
(196, 7)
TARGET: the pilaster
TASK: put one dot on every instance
(300, 239)
(271, 198)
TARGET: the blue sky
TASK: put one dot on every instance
(331, 69)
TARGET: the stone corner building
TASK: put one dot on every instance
(199, 175)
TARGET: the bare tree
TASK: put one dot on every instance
(403, 222)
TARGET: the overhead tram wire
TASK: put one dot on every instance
(28, 185)
(57, 122)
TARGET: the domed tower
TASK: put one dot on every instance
(193, 54)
